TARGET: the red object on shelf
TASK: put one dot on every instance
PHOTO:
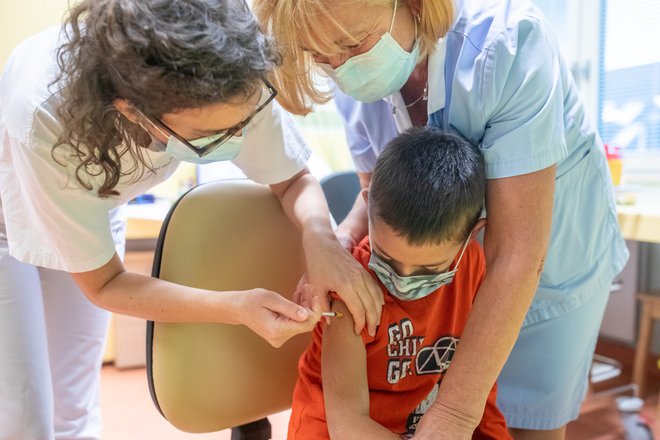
(614, 163)
(612, 152)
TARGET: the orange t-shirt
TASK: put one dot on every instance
(406, 359)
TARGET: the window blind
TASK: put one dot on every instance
(629, 86)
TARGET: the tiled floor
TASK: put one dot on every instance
(129, 414)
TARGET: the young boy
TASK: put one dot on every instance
(425, 203)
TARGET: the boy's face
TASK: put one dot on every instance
(408, 260)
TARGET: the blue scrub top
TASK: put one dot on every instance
(498, 79)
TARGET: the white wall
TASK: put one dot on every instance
(20, 19)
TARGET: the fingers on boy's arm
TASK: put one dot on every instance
(299, 294)
(376, 301)
(297, 297)
(357, 310)
(366, 306)
(324, 301)
(282, 306)
(284, 328)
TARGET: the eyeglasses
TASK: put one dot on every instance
(267, 94)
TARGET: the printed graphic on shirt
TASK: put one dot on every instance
(436, 359)
(401, 350)
(417, 413)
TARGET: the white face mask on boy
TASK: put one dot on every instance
(412, 287)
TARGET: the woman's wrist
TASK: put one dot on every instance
(451, 419)
(346, 239)
(230, 304)
(352, 229)
(317, 235)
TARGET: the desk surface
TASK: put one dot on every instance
(639, 221)
(144, 221)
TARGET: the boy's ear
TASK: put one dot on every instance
(478, 227)
(125, 109)
(365, 195)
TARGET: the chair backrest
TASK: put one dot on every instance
(226, 235)
(340, 191)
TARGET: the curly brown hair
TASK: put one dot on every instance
(160, 56)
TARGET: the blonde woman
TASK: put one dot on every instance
(491, 71)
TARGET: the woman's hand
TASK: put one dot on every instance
(275, 318)
(443, 423)
(332, 268)
(329, 266)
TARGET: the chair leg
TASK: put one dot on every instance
(259, 430)
(642, 349)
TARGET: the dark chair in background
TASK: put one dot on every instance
(340, 191)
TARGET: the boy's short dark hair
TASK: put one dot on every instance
(429, 186)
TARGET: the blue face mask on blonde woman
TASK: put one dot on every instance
(378, 72)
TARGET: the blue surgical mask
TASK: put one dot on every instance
(412, 287)
(180, 151)
(227, 151)
(377, 73)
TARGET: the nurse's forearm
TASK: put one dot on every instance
(267, 313)
(112, 288)
(304, 203)
(515, 243)
(491, 331)
(355, 226)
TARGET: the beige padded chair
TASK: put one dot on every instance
(226, 235)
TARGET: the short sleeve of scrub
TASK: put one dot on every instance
(369, 127)
(523, 101)
(48, 222)
(60, 228)
(273, 149)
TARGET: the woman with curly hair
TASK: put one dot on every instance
(95, 113)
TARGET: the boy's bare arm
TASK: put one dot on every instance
(345, 385)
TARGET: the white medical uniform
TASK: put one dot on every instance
(499, 80)
(51, 336)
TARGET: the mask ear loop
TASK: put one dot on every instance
(417, 19)
(416, 36)
(463, 250)
(396, 3)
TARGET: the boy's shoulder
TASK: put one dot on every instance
(362, 251)
(474, 254)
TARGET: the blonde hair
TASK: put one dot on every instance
(299, 26)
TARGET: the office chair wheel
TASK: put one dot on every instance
(259, 430)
